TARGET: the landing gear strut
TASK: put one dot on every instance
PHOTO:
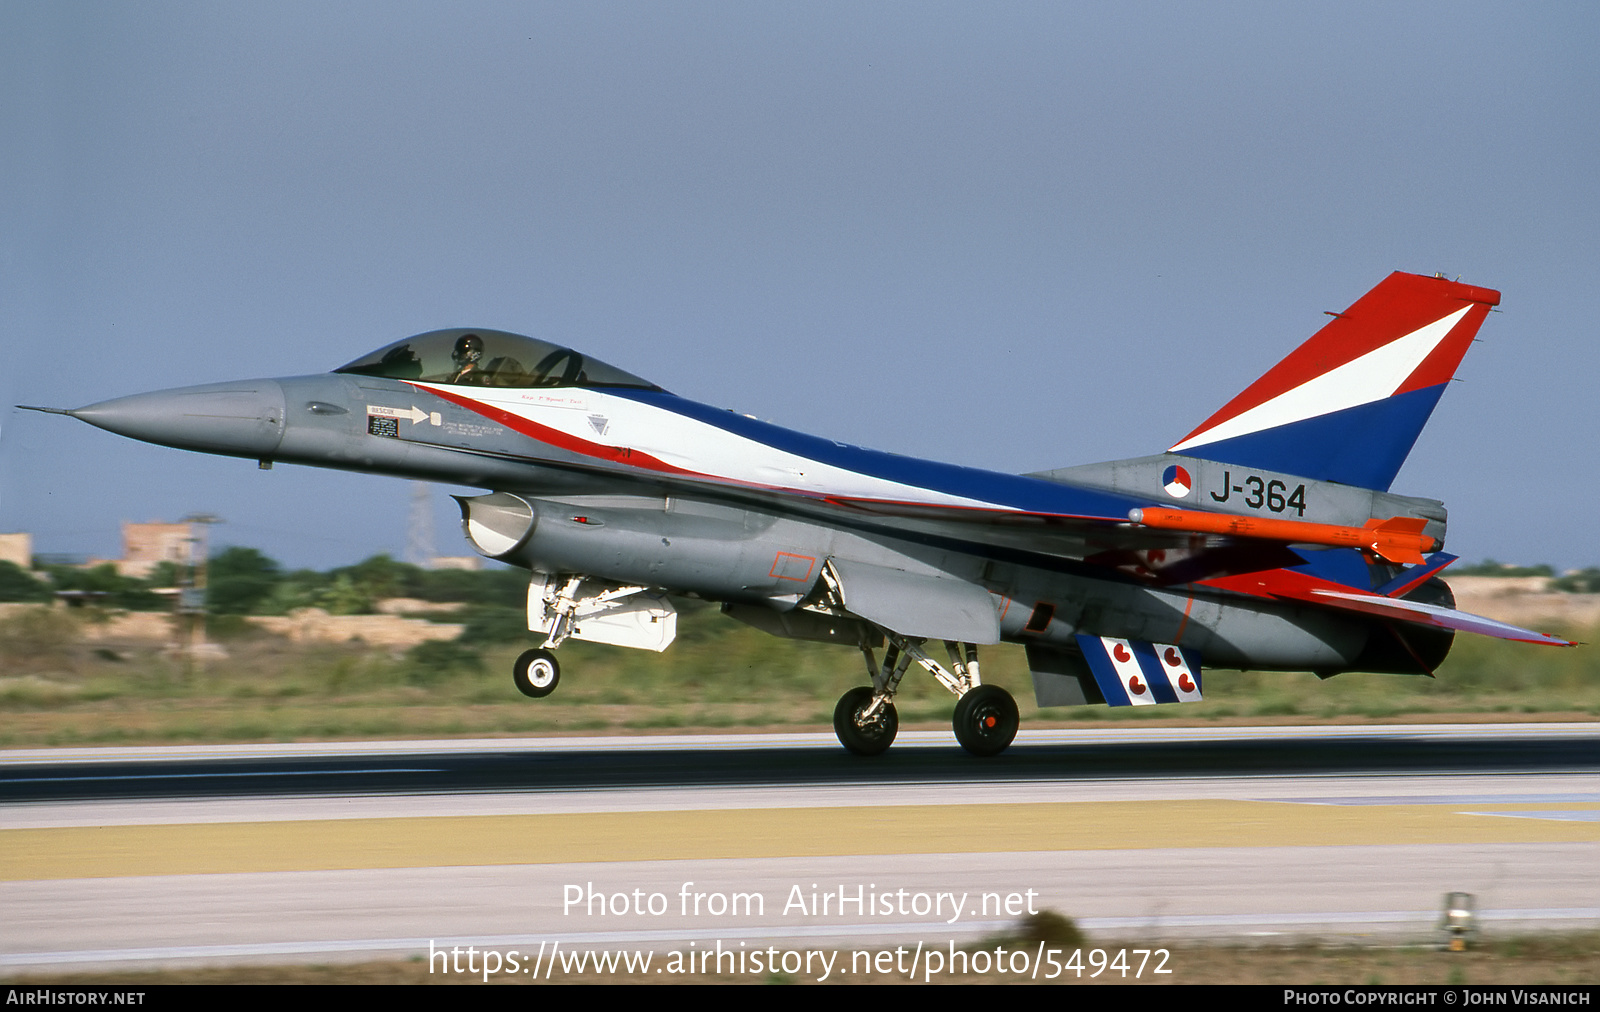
(985, 720)
(556, 606)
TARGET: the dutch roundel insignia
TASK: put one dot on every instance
(1175, 480)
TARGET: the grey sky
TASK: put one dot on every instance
(1012, 236)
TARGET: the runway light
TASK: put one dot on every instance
(1460, 921)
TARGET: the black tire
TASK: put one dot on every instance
(872, 738)
(986, 720)
(536, 673)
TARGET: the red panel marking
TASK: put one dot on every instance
(1184, 683)
(1134, 684)
(778, 564)
(1121, 653)
(1188, 605)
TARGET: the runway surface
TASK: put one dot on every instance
(314, 853)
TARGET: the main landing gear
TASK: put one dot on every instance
(861, 727)
(865, 720)
(986, 720)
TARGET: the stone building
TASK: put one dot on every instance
(146, 545)
(17, 549)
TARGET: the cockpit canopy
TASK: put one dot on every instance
(489, 358)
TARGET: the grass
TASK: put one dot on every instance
(56, 688)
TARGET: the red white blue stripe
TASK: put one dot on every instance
(1348, 405)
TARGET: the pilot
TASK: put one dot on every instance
(469, 349)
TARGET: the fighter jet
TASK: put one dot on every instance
(1265, 539)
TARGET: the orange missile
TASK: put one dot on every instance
(1398, 539)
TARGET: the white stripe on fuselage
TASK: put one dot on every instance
(1371, 377)
(713, 451)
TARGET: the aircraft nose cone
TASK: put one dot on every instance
(243, 419)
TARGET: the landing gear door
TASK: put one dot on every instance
(601, 612)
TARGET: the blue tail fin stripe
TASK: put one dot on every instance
(1362, 446)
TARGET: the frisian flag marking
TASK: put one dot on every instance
(1139, 673)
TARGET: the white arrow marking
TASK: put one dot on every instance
(416, 414)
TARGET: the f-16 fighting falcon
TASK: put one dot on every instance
(1265, 539)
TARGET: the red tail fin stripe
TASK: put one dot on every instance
(1399, 307)
(1377, 374)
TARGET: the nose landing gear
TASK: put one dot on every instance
(536, 672)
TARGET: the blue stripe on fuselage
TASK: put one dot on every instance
(1027, 495)
(1363, 446)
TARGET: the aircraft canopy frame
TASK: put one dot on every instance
(494, 359)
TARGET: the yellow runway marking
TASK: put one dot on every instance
(112, 851)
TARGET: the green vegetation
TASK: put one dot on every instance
(1581, 581)
(57, 687)
(64, 681)
(1489, 567)
(244, 581)
(1584, 581)
(243, 575)
(17, 584)
(110, 588)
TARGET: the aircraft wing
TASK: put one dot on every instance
(1259, 563)
(929, 607)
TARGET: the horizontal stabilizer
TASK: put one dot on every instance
(1430, 615)
(1415, 576)
(1137, 673)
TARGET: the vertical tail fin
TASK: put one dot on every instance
(1348, 405)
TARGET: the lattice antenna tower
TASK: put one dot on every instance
(419, 535)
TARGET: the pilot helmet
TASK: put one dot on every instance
(469, 348)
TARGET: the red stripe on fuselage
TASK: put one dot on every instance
(565, 441)
(640, 459)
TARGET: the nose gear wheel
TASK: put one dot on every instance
(536, 673)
